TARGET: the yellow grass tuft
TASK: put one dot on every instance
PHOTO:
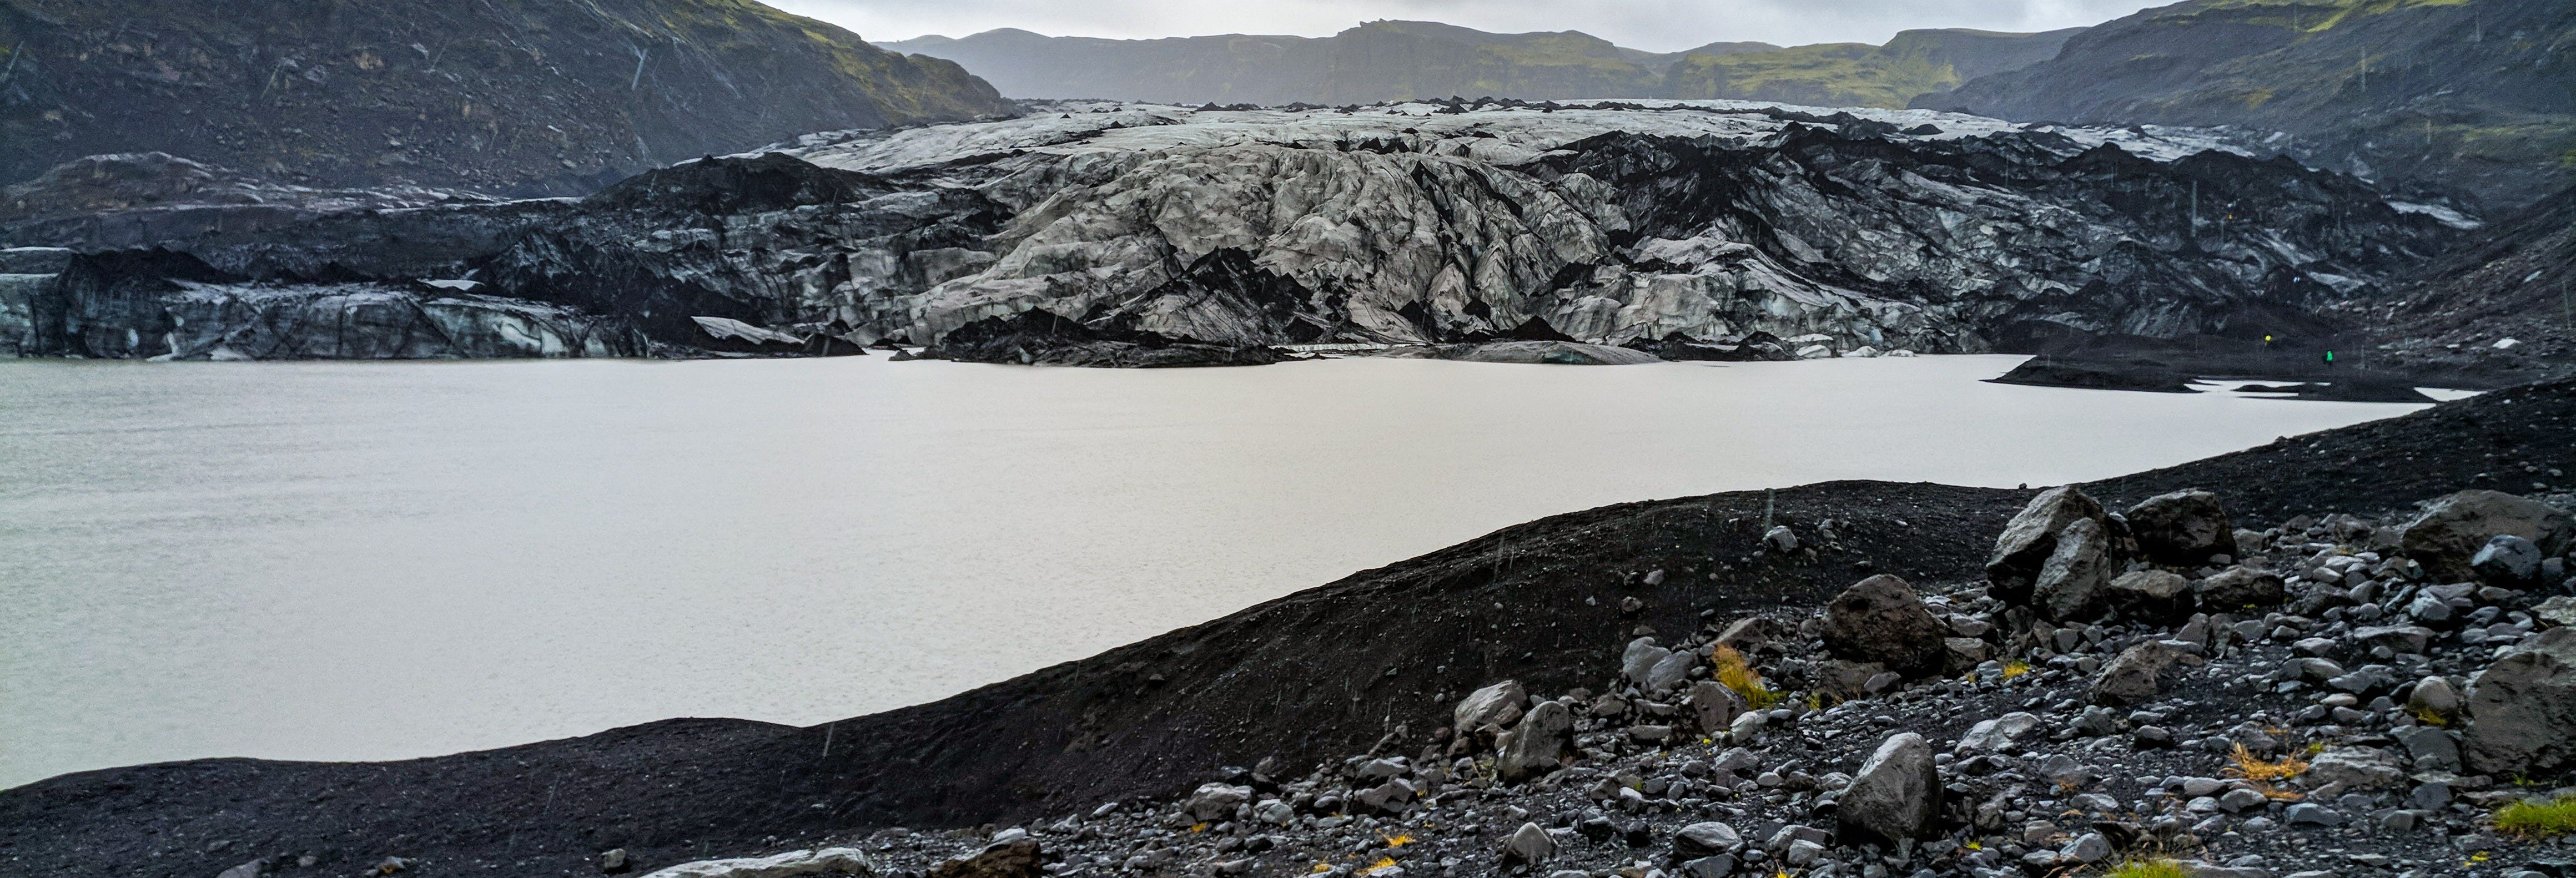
(2536, 819)
(2158, 868)
(1733, 672)
(2247, 766)
(2015, 668)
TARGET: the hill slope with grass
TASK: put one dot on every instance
(2468, 95)
(529, 97)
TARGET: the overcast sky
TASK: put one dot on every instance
(1653, 25)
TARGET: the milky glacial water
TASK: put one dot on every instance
(384, 560)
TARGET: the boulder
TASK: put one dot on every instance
(2398, 638)
(2074, 584)
(1705, 839)
(1528, 844)
(2031, 537)
(2431, 749)
(1496, 704)
(1216, 801)
(1963, 654)
(2447, 537)
(2182, 529)
(2508, 561)
(1670, 672)
(2434, 695)
(2558, 611)
(2139, 673)
(825, 861)
(2522, 708)
(2361, 768)
(1780, 539)
(1881, 619)
(1896, 795)
(1537, 745)
(2239, 587)
(1753, 633)
(1713, 706)
(1845, 679)
(2158, 596)
(1012, 859)
(1391, 797)
(1638, 662)
(1998, 734)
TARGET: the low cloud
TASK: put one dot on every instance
(1654, 25)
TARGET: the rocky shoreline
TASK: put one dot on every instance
(1316, 694)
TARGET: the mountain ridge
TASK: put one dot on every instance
(542, 97)
(1393, 60)
(2433, 94)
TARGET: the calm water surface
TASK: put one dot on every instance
(381, 560)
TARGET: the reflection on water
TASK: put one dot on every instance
(377, 560)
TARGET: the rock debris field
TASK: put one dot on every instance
(2334, 696)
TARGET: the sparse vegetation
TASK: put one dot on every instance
(2156, 868)
(2532, 818)
(1733, 672)
(2246, 765)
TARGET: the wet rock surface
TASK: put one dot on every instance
(1101, 763)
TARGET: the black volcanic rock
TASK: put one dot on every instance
(542, 97)
(1040, 338)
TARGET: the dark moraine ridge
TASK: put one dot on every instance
(1305, 677)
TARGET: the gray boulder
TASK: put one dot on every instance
(2398, 638)
(1706, 838)
(1638, 662)
(2139, 673)
(2074, 584)
(2447, 537)
(2182, 529)
(2361, 768)
(1896, 795)
(1216, 801)
(2522, 708)
(2434, 695)
(1537, 745)
(2239, 587)
(1714, 707)
(1392, 797)
(2508, 561)
(1497, 704)
(1753, 633)
(1882, 620)
(2157, 596)
(1998, 734)
(1529, 844)
(2431, 749)
(2031, 537)
(1671, 672)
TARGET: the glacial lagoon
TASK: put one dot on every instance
(385, 560)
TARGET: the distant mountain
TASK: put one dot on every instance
(533, 96)
(1913, 64)
(1402, 60)
(2477, 95)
